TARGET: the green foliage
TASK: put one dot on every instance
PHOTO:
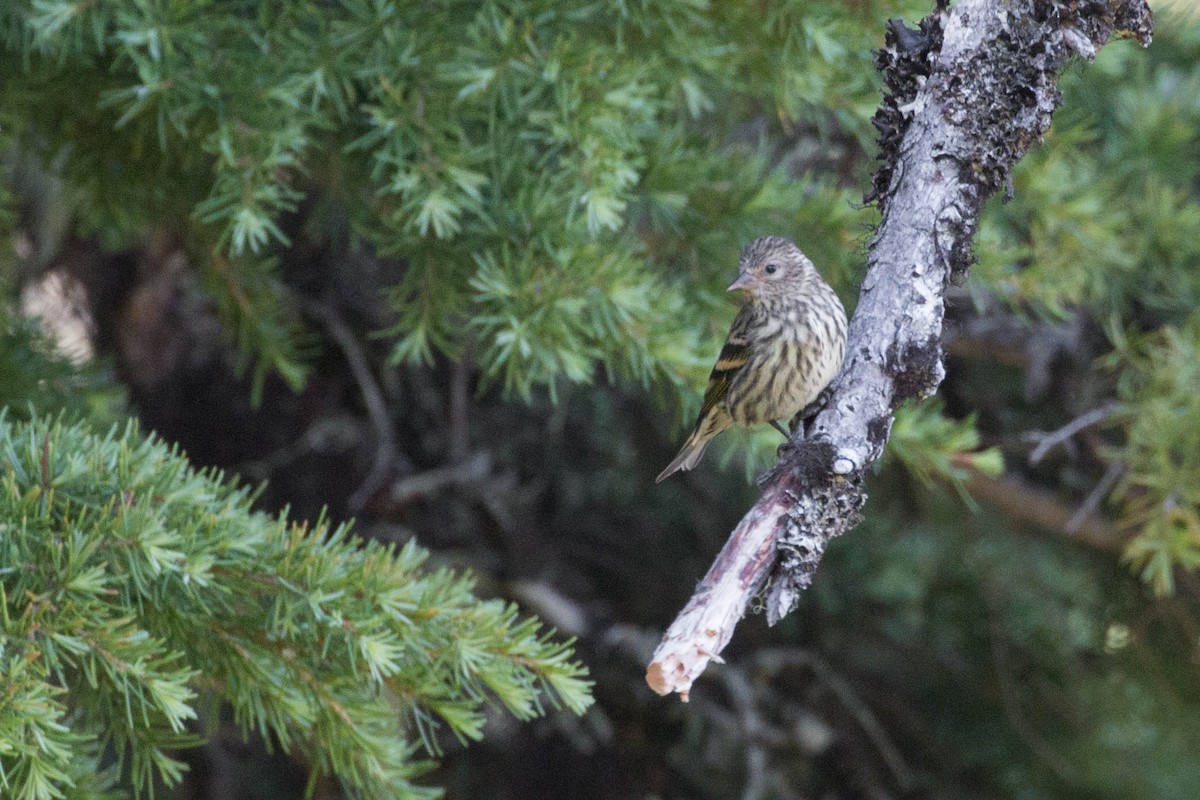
(34, 376)
(1106, 219)
(1160, 494)
(1106, 214)
(1031, 668)
(133, 586)
(597, 150)
(933, 447)
(265, 333)
(523, 304)
(567, 185)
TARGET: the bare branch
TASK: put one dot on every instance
(741, 697)
(1043, 509)
(1047, 441)
(426, 484)
(1091, 504)
(970, 93)
(775, 660)
(377, 411)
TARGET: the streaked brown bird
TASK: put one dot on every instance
(785, 345)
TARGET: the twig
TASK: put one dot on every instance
(941, 159)
(705, 625)
(1043, 509)
(741, 696)
(427, 484)
(1091, 503)
(324, 434)
(1047, 441)
(774, 660)
(557, 609)
(460, 406)
(377, 410)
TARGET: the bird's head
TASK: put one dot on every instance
(772, 266)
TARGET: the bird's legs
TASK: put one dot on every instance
(787, 445)
(799, 424)
(806, 415)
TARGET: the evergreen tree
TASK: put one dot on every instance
(552, 195)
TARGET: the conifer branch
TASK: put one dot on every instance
(970, 92)
(131, 585)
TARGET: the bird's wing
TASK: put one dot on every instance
(733, 357)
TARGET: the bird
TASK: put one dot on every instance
(784, 347)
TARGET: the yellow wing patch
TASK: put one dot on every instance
(733, 357)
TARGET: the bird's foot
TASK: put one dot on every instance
(783, 452)
(804, 418)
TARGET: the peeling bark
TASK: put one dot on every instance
(970, 92)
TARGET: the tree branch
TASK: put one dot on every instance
(1042, 509)
(377, 410)
(1047, 441)
(969, 93)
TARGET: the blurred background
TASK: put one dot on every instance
(455, 271)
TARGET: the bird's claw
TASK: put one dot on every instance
(783, 452)
(805, 415)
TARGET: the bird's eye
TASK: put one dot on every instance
(771, 269)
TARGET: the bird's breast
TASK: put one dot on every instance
(797, 350)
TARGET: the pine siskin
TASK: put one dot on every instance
(785, 345)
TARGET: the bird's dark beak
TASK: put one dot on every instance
(743, 282)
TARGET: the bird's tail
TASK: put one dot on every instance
(689, 455)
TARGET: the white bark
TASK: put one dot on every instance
(970, 93)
